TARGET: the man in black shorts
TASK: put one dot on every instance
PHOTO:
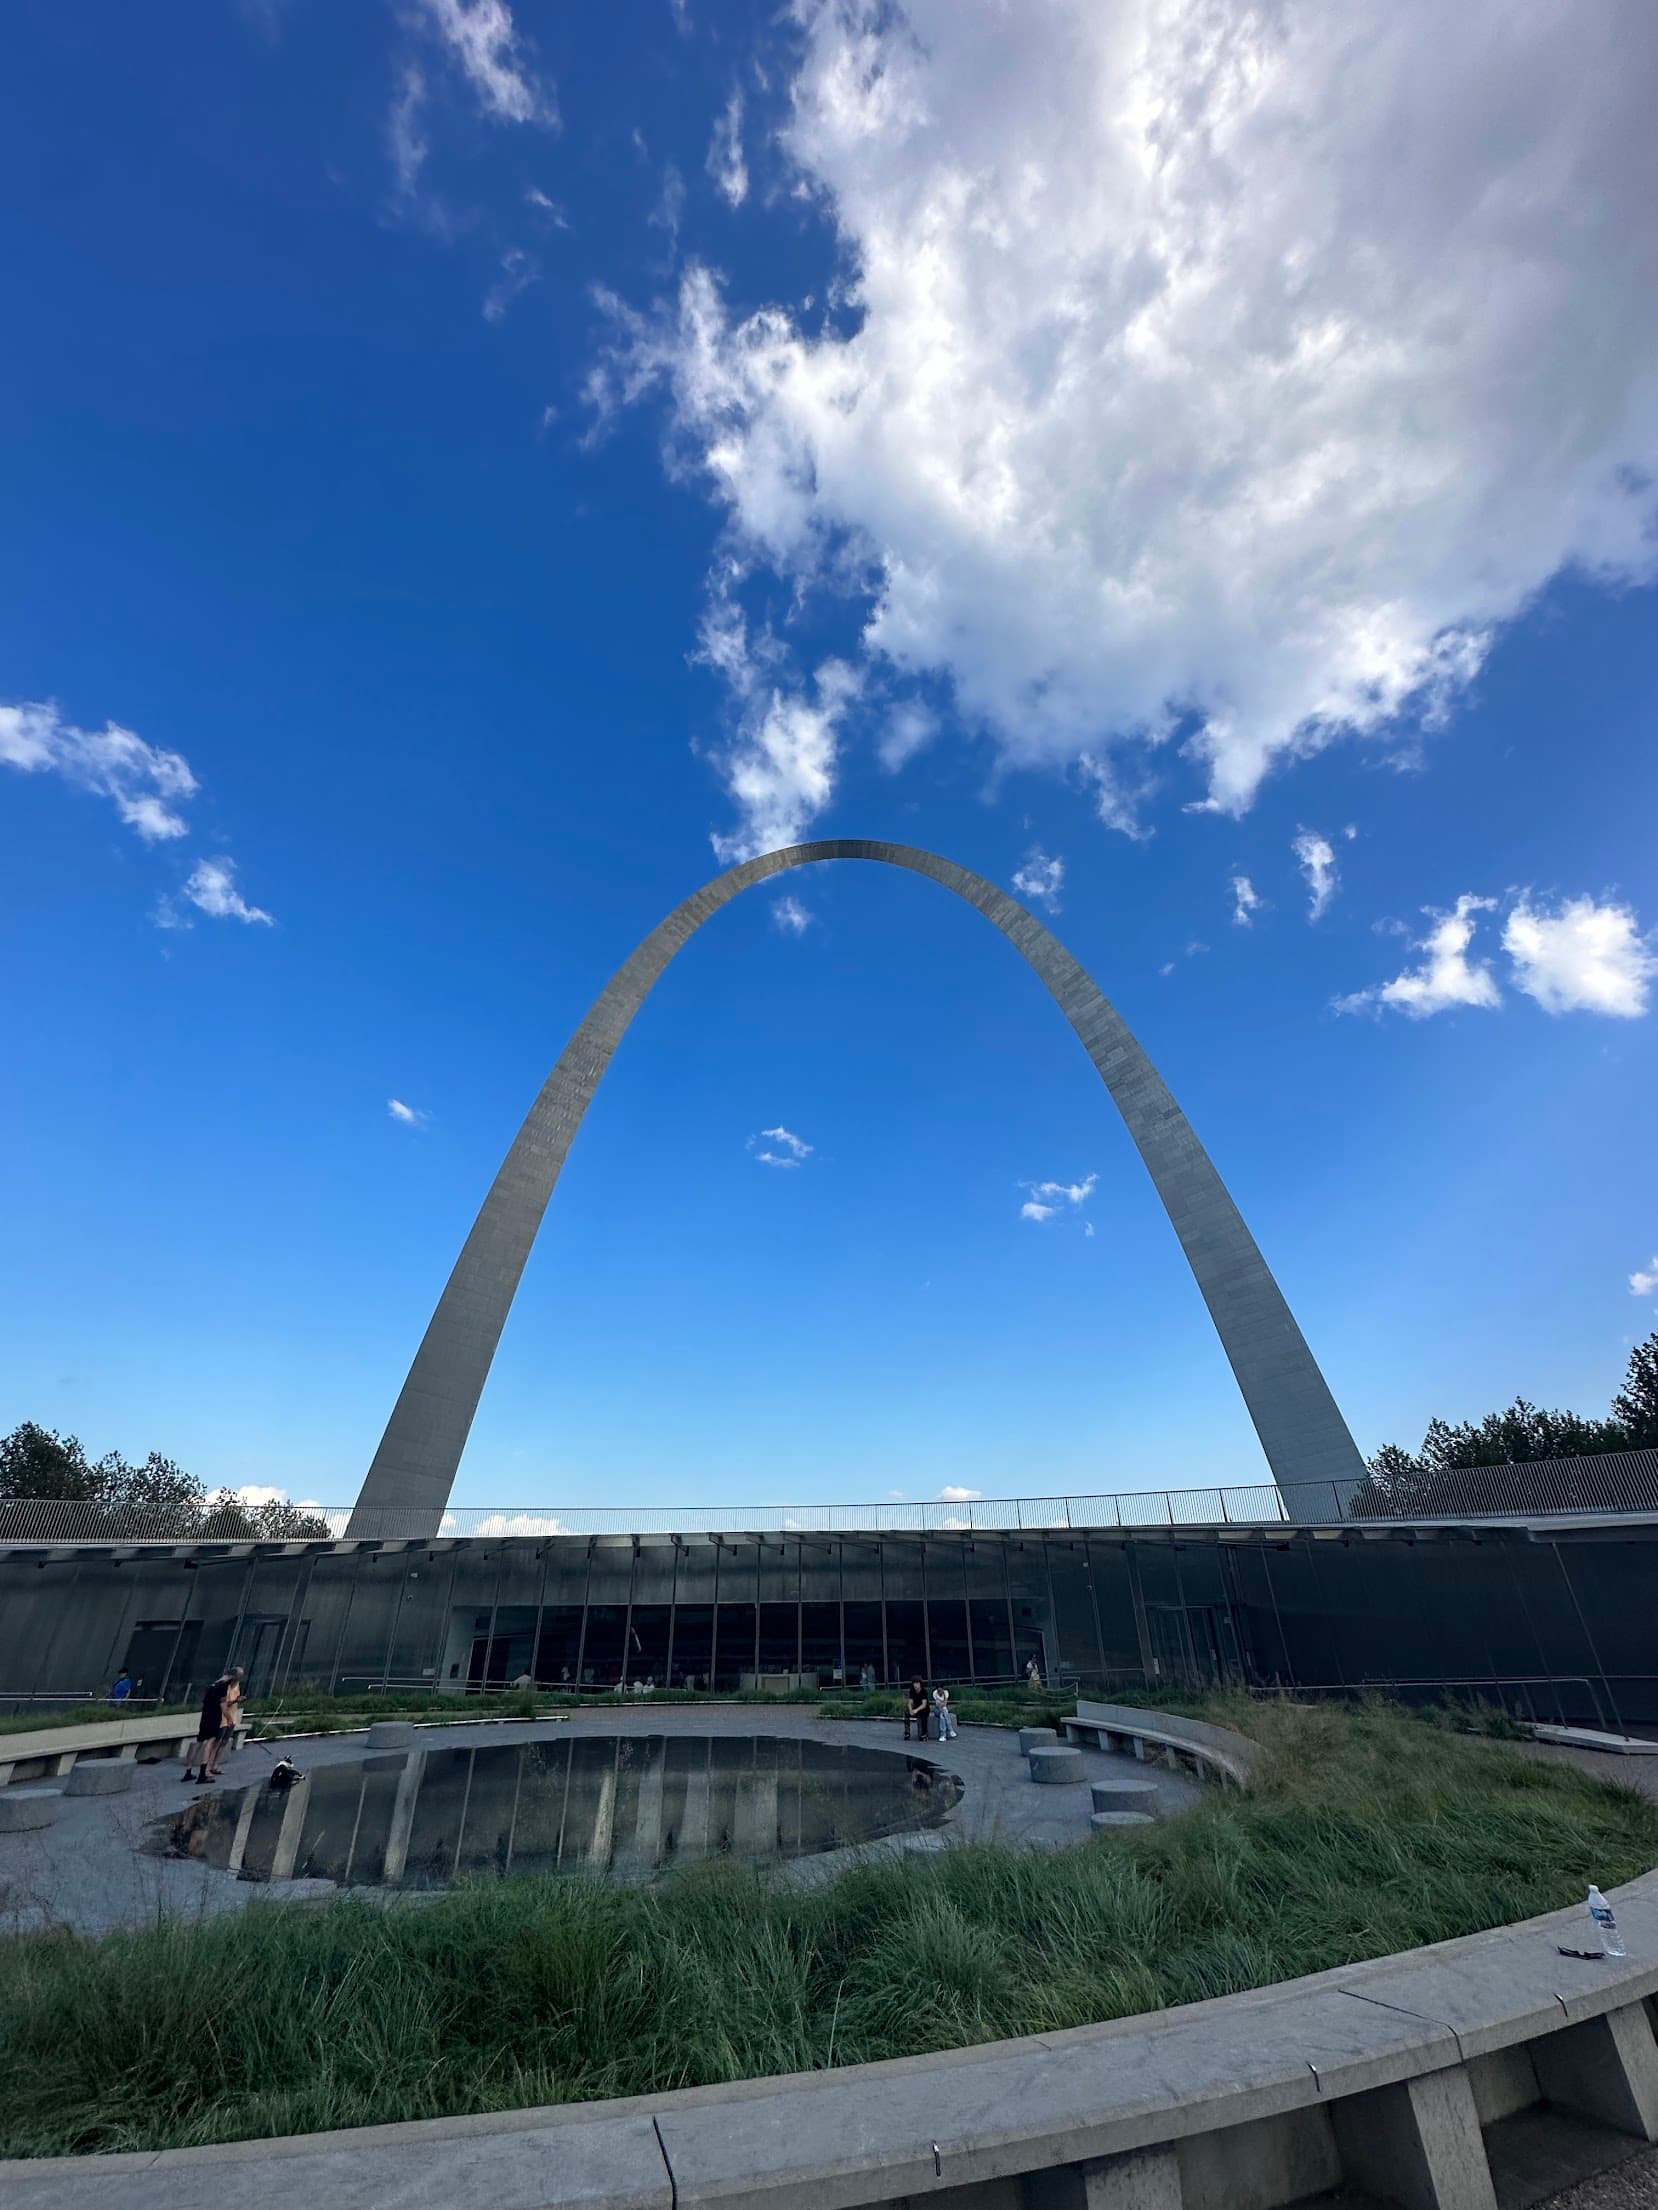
(217, 1705)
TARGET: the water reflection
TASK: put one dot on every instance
(626, 1804)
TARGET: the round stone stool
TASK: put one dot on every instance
(1105, 1821)
(390, 1734)
(23, 1810)
(1036, 1738)
(1124, 1795)
(100, 1776)
(1056, 1767)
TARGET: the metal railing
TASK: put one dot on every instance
(1618, 1483)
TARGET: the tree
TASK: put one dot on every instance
(1636, 1403)
(158, 1498)
(35, 1462)
(1430, 1481)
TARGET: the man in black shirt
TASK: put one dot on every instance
(218, 1706)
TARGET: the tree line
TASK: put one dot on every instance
(1403, 1480)
(119, 1497)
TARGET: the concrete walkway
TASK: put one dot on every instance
(90, 1870)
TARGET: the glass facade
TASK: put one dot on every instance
(1552, 1623)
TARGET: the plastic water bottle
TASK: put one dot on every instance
(1606, 1924)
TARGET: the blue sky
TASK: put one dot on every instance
(465, 472)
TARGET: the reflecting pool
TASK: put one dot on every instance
(626, 1804)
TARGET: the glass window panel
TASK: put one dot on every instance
(779, 1638)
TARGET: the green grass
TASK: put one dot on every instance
(1366, 1832)
(86, 1715)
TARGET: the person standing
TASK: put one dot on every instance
(210, 1729)
(1033, 1673)
(916, 1708)
(121, 1687)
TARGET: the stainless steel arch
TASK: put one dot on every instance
(1302, 1431)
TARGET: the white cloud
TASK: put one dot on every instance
(793, 1151)
(1048, 1198)
(1446, 976)
(1317, 858)
(411, 1116)
(725, 155)
(555, 214)
(142, 781)
(482, 39)
(909, 728)
(1582, 958)
(1642, 1283)
(211, 889)
(790, 916)
(405, 137)
(1163, 407)
(780, 764)
(669, 211)
(954, 1495)
(519, 270)
(1087, 1227)
(1246, 902)
(1040, 879)
(252, 1492)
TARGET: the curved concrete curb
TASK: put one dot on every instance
(1164, 1737)
(1394, 2077)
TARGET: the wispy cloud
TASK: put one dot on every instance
(792, 1150)
(725, 155)
(1246, 902)
(1316, 856)
(410, 1116)
(406, 140)
(210, 888)
(519, 270)
(1048, 1198)
(555, 214)
(482, 40)
(910, 727)
(953, 1495)
(142, 781)
(790, 916)
(1446, 977)
(1040, 879)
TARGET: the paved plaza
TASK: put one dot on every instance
(92, 1871)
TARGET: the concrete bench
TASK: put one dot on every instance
(1395, 2079)
(1164, 1737)
(52, 1753)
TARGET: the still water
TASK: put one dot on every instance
(627, 1804)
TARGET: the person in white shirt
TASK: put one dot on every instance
(945, 1717)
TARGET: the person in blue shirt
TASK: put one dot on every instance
(121, 1687)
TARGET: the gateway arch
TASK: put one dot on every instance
(1302, 1432)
